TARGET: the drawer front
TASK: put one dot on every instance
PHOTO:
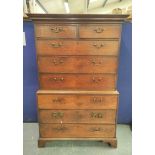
(49, 101)
(77, 116)
(55, 31)
(77, 64)
(78, 81)
(71, 47)
(100, 31)
(76, 130)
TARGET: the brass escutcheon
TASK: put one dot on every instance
(96, 115)
(99, 30)
(98, 45)
(56, 44)
(57, 29)
(57, 114)
(97, 100)
(58, 100)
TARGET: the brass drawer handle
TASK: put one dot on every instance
(98, 45)
(57, 79)
(56, 44)
(98, 30)
(57, 29)
(57, 114)
(97, 79)
(95, 129)
(58, 100)
(57, 61)
(96, 115)
(95, 62)
(96, 100)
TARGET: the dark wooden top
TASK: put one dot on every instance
(78, 17)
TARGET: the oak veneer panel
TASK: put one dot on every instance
(49, 101)
(77, 81)
(55, 31)
(77, 64)
(100, 31)
(72, 47)
(76, 130)
(77, 116)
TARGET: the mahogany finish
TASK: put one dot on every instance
(77, 58)
(77, 47)
(77, 64)
(78, 81)
(100, 31)
(77, 116)
(79, 101)
(72, 130)
(55, 31)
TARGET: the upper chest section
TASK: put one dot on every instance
(77, 25)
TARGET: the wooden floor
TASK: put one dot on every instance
(76, 147)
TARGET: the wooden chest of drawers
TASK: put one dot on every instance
(77, 58)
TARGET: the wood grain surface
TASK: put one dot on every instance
(55, 31)
(77, 81)
(77, 116)
(53, 101)
(77, 64)
(100, 31)
(76, 130)
(74, 47)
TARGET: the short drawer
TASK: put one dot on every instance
(77, 116)
(78, 81)
(76, 130)
(100, 31)
(77, 101)
(72, 47)
(55, 31)
(77, 64)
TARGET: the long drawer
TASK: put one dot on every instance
(78, 81)
(72, 47)
(77, 64)
(55, 31)
(100, 31)
(77, 116)
(76, 101)
(76, 130)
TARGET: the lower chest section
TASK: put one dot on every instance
(68, 114)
